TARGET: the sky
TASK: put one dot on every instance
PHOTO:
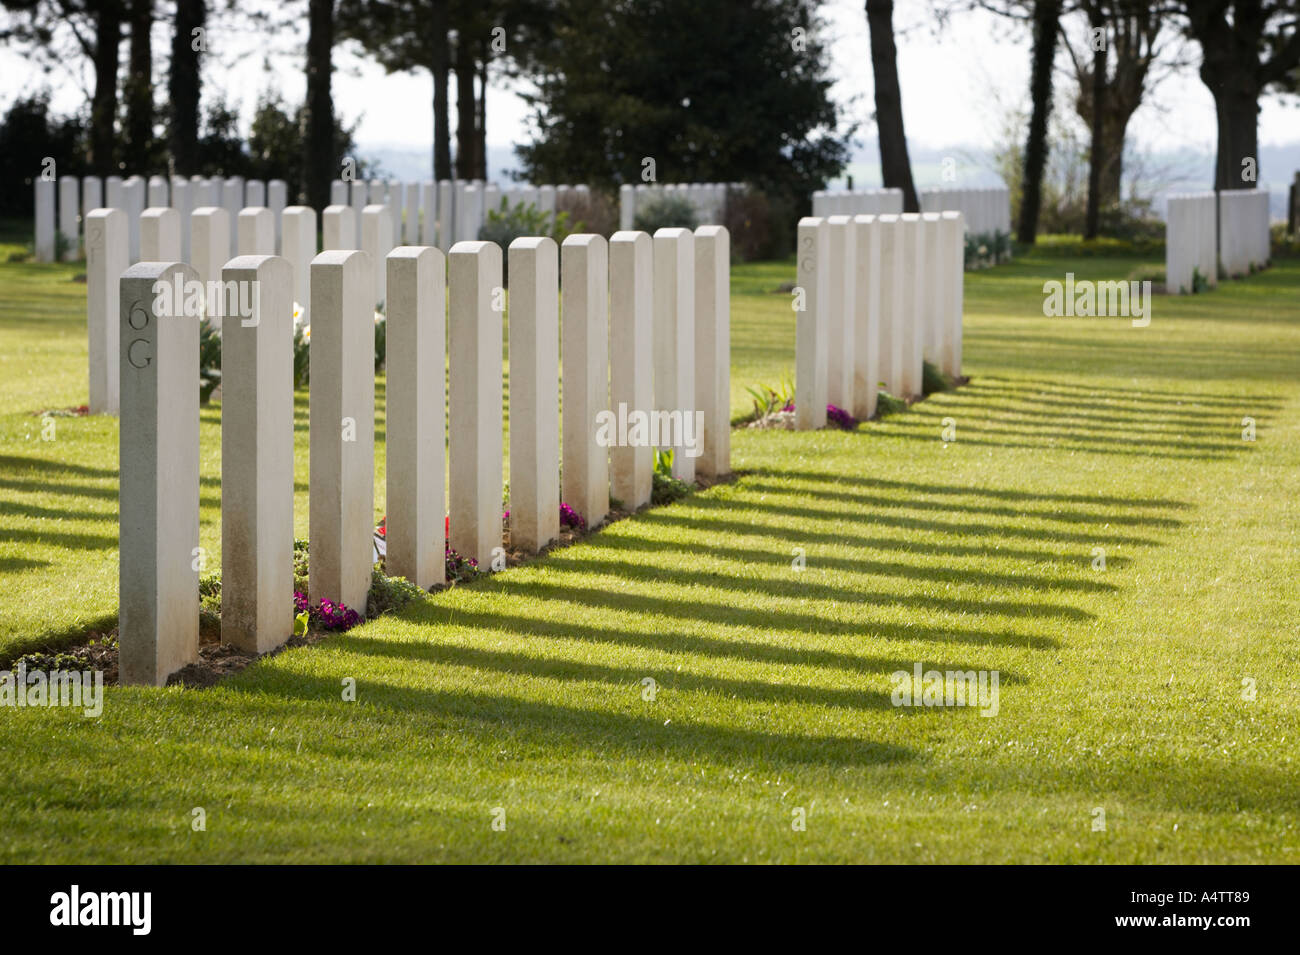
(958, 87)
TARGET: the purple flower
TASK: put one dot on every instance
(840, 417)
(571, 518)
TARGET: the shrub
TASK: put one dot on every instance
(933, 380)
(389, 593)
(748, 220)
(887, 404)
(665, 212)
(507, 223)
(590, 211)
(209, 360)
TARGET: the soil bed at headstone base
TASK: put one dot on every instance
(217, 660)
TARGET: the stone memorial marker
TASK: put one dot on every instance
(256, 231)
(811, 325)
(713, 347)
(45, 241)
(584, 393)
(183, 202)
(339, 228)
(934, 271)
(910, 329)
(254, 194)
(415, 415)
(92, 196)
(342, 428)
(133, 190)
(891, 304)
(674, 340)
(475, 444)
(446, 213)
(866, 316)
(160, 235)
(377, 242)
(159, 555)
(157, 193)
(209, 249)
(277, 199)
(839, 311)
(107, 246)
(534, 393)
(952, 246)
(428, 215)
(257, 454)
(69, 189)
(631, 361)
(299, 242)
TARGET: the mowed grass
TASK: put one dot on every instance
(523, 697)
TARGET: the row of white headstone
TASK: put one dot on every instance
(708, 199)
(133, 195)
(880, 296)
(634, 322)
(449, 211)
(986, 211)
(1189, 236)
(876, 202)
(426, 213)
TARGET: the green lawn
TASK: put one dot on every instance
(1121, 689)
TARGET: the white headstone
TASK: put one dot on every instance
(626, 206)
(277, 199)
(674, 338)
(232, 200)
(631, 362)
(811, 325)
(342, 429)
(183, 202)
(92, 196)
(934, 273)
(396, 201)
(914, 281)
(158, 193)
(840, 311)
(69, 189)
(428, 215)
(106, 259)
(952, 245)
(133, 190)
(446, 213)
(209, 246)
(256, 231)
(338, 193)
(866, 317)
(475, 443)
(45, 201)
(257, 454)
(298, 226)
(359, 197)
(415, 415)
(713, 348)
(891, 304)
(158, 551)
(160, 235)
(534, 393)
(339, 228)
(584, 393)
(377, 242)
(254, 194)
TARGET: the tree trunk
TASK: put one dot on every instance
(1236, 105)
(1047, 15)
(138, 91)
(896, 168)
(440, 62)
(320, 149)
(466, 141)
(103, 107)
(480, 141)
(1096, 150)
(184, 86)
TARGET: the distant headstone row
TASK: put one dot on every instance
(708, 199)
(133, 195)
(986, 212)
(419, 212)
(637, 329)
(449, 211)
(874, 202)
(881, 294)
(1189, 237)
